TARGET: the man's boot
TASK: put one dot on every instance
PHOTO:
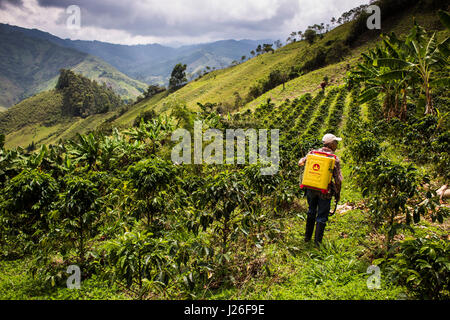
(310, 222)
(320, 228)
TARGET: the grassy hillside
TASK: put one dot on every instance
(220, 86)
(43, 108)
(266, 258)
(47, 116)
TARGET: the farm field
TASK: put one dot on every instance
(90, 183)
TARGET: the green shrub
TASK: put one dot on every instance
(144, 116)
(364, 149)
(389, 187)
(27, 201)
(423, 266)
(137, 259)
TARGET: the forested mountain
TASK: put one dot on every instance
(29, 65)
(74, 96)
(152, 63)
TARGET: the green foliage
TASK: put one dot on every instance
(310, 35)
(28, 199)
(391, 188)
(320, 56)
(86, 150)
(364, 149)
(144, 116)
(178, 77)
(78, 213)
(398, 66)
(150, 178)
(137, 258)
(423, 266)
(153, 90)
(276, 78)
(83, 97)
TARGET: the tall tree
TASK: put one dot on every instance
(259, 49)
(153, 90)
(268, 47)
(2, 140)
(278, 44)
(178, 77)
(310, 35)
(293, 36)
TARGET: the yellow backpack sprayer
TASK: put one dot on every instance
(318, 172)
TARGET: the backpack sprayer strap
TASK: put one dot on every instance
(335, 208)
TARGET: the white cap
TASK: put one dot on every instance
(329, 138)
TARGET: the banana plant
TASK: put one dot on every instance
(396, 67)
(420, 59)
(86, 150)
(373, 77)
(111, 150)
(153, 131)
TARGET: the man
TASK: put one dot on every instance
(319, 204)
(323, 85)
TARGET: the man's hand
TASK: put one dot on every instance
(301, 163)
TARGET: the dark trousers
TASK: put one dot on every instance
(319, 208)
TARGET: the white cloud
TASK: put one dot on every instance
(167, 21)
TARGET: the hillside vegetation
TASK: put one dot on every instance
(152, 63)
(229, 88)
(44, 114)
(113, 202)
(29, 66)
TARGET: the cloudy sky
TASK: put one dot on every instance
(172, 21)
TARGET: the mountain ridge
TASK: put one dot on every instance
(29, 66)
(133, 59)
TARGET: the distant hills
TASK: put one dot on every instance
(153, 63)
(29, 65)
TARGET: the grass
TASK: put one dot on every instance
(16, 283)
(336, 271)
(36, 133)
(127, 119)
(96, 69)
